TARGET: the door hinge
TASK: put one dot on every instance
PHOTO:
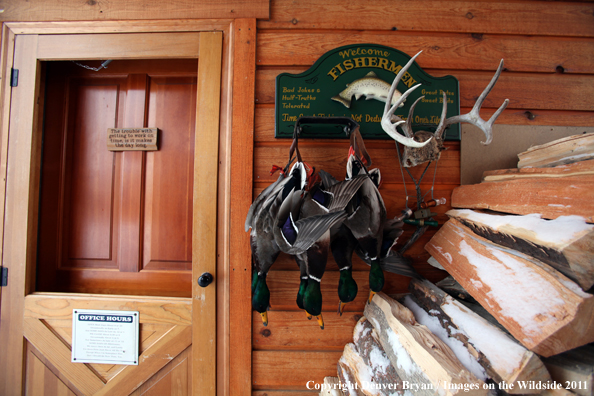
(14, 77)
(4, 281)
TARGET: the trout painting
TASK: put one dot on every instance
(370, 86)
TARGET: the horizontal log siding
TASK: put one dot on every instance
(548, 49)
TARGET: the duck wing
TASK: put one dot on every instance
(392, 230)
(327, 179)
(394, 263)
(342, 192)
(295, 237)
(256, 205)
(397, 264)
(312, 228)
(369, 216)
(322, 200)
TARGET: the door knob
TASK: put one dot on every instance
(205, 279)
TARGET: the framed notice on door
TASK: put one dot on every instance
(109, 337)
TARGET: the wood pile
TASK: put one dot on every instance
(519, 316)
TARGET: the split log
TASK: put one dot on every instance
(419, 357)
(576, 169)
(567, 244)
(347, 377)
(476, 343)
(540, 307)
(562, 151)
(331, 387)
(550, 197)
(574, 369)
(380, 374)
(368, 373)
(367, 363)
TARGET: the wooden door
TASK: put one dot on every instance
(83, 240)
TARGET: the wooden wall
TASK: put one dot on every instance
(548, 49)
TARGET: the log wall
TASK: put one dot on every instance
(548, 49)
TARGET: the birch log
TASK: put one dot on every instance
(540, 307)
(476, 343)
(424, 363)
(566, 244)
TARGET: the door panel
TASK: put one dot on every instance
(91, 191)
(165, 332)
(169, 175)
(36, 326)
(90, 186)
(41, 379)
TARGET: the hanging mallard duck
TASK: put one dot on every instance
(305, 215)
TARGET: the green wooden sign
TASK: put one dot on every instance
(348, 81)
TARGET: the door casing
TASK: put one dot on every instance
(19, 165)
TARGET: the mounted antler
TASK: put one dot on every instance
(414, 155)
(388, 117)
(474, 117)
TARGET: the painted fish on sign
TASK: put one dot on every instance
(337, 83)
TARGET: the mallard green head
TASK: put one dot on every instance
(254, 280)
(312, 301)
(301, 292)
(261, 298)
(347, 288)
(376, 278)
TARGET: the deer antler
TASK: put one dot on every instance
(474, 117)
(387, 125)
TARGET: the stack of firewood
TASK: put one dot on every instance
(520, 250)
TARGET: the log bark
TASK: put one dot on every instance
(383, 375)
(566, 245)
(367, 363)
(574, 369)
(540, 307)
(477, 342)
(453, 288)
(418, 356)
(558, 152)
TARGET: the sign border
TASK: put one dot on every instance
(136, 336)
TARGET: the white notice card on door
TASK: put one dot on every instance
(109, 337)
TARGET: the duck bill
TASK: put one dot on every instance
(264, 318)
(371, 294)
(341, 306)
(308, 315)
(320, 321)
